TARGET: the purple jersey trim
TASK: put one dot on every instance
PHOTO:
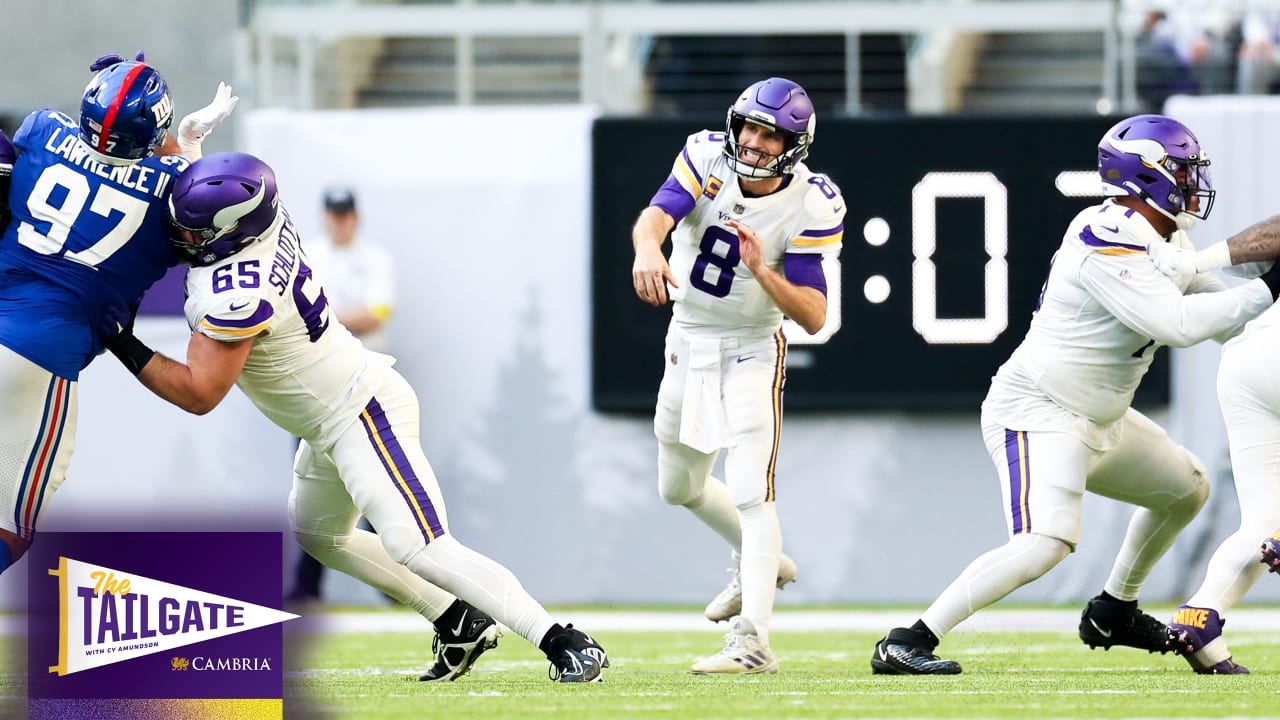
(1092, 240)
(673, 198)
(684, 152)
(259, 316)
(805, 269)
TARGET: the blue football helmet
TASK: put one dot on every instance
(778, 104)
(220, 204)
(125, 112)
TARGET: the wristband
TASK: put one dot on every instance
(132, 352)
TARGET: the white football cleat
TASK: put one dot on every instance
(729, 602)
(743, 653)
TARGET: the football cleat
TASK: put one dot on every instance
(575, 657)
(1105, 623)
(904, 652)
(743, 653)
(1271, 554)
(457, 648)
(728, 603)
(1196, 634)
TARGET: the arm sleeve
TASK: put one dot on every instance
(690, 175)
(1131, 288)
(805, 269)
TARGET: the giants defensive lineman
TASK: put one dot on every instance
(752, 224)
(1057, 420)
(1249, 397)
(260, 320)
(87, 237)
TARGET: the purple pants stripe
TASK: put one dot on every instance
(1016, 451)
(388, 449)
(779, 380)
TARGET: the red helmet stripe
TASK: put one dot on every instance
(110, 119)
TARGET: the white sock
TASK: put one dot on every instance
(992, 576)
(714, 508)
(484, 583)
(362, 556)
(761, 548)
(1151, 533)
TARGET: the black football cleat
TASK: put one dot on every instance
(904, 652)
(575, 657)
(1105, 623)
(456, 648)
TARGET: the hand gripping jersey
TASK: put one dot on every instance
(1103, 312)
(84, 236)
(718, 296)
(306, 372)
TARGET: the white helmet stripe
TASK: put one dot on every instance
(230, 215)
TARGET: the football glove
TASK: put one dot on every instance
(105, 61)
(1173, 261)
(197, 125)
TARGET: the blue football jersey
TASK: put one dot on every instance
(84, 237)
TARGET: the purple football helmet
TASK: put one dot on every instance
(125, 112)
(220, 204)
(1158, 160)
(782, 106)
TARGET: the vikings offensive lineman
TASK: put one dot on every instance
(260, 320)
(87, 237)
(1249, 397)
(1057, 420)
(752, 225)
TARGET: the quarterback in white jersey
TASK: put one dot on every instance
(262, 322)
(1057, 420)
(751, 226)
(1249, 397)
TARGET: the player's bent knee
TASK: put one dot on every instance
(319, 546)
(1040, 553)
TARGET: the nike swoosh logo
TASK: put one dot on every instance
(241, 306)
(744, 358)
(1115, 229)
(1103, 633)
(839, 208)
(883, 655)
(461, 621)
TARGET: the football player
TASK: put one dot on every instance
(1249, 397)
(752, 224)
(1057, 420)
(87, 236)
(261, 321)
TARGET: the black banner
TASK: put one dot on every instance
(967, 192)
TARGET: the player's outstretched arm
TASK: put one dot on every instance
(650, 272)
(1260, 242)
(196, 386)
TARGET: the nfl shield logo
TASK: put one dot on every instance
(738, 209)
(674, 359)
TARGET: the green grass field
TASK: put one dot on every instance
(373, 676)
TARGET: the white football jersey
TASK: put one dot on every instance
(1103, 312)
(718, 296)
(306, 372)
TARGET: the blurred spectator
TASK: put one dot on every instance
(1162, 71)
(1259, 31)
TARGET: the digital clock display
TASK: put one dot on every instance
(950, 227)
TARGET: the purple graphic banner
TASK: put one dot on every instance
(173, 577)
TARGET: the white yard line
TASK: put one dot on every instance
(1012, 620)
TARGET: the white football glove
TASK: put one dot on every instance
(195, 126)
(1173, 261)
